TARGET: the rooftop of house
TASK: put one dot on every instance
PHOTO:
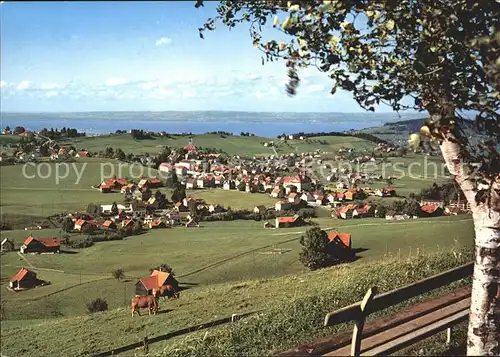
(20, 275)
(345, 238)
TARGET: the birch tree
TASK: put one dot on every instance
(444, 54)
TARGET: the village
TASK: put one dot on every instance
(342, 194)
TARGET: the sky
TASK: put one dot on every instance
(143, 56)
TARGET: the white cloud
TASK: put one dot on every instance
(112, 82)
(315, 88)
(163, 41)
(259, 94)
(52, 93)
(23, 85)
(3, 84)
(50, 86)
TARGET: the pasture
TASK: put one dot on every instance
(291, 306)
(218, 252)
(231, 145)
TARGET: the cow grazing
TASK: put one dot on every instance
(145, 301)
(169, 291)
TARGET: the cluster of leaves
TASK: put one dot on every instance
(444, 55)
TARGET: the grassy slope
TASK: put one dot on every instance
(219, 252)
(293, 308)
(230, 144)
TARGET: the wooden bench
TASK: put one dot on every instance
(389, 334)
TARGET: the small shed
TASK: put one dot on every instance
(156, 280)
(342, 238)
(7, 245)
(24, 279)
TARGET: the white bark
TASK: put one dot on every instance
(484, 321)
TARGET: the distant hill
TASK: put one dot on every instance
(398, 132)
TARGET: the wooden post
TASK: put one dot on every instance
(360, 322)
(146, 345)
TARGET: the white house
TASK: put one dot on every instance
(283, 205)
(165, 167)
(191, 183)
(302, 183)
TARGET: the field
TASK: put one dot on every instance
(230, 144)
(292, 308)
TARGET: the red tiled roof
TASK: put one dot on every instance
(345, 238)
(107, 223)
(28, 240)
(126, 222)
(287, 219)
(80, 222)
(363, 210)
(20, 275)
(49, 242)
(429, 208)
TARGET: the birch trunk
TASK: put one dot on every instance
(484, 320)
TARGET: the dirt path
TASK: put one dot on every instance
(26, 260)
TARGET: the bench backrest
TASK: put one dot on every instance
(380, 302)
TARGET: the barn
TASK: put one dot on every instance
(157, 279)
(24, 279)
(343, 238)
(7, 245)
(40, 245)
(293, 221)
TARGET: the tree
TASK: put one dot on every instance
(163, 267)
(97, 305)
(318, 252)
(179, 193)
(114, 209)
(68, 224)
(19, 130)
(172, 179)
(118, 274)
(384, 52)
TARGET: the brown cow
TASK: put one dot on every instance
(149, 301)
(169, 291)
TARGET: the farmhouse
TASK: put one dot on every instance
(156, 280)
(260, 209)
(343, 238)
(149, 183)
(24, 279)
(79, 224)
(191, 183)
(6, 245)
(294, 221)
(165, 167)
(302, 183)
(40, 245)
(108, 224)
(105, 188)
(128, 188)
(346, 212)
(157, 223)
(283, 205)
(362, 212)
(431, 211)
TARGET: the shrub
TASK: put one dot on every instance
(97, 305)
(318, 252)
(118, 274)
